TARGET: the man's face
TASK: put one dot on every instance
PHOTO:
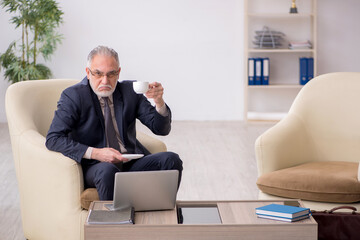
(103, 75)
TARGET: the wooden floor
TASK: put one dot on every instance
(219, 163)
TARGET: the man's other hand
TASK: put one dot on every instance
(156, 92)
(109, 155)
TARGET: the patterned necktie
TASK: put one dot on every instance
(110, 130)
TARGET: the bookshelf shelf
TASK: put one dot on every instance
(280, 15)
(272, 102)
(276, 86)
(282, 50)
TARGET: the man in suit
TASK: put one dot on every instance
(94, 124)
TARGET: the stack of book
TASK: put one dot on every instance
(282, 212)
(258, 71)
(300, 45)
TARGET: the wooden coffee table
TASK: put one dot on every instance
(238, 218)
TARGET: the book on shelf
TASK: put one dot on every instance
(266, 71)
(125, 216)
(306, 69)
(310, 69)
(282, 211)
(258, 71)
(285, 219)
(251, 71)
(303, 71)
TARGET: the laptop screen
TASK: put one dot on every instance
(146, 190)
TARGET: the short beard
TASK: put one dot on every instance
(103, 93)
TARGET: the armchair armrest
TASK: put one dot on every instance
(50, 187)
(152, 144)
(282, 146)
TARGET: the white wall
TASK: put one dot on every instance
(193, 47)
(338, 36)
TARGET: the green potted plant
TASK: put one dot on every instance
(38, 20)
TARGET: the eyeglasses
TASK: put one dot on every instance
(111, 75)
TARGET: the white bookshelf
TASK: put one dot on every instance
(272, 102)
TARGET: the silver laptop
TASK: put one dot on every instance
(145, 191)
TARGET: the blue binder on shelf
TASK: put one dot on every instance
(251, 71)
(303, 70)
(258, 71)
(266, 71)
(310, 69)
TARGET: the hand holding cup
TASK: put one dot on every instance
(156, 92)
(151, 90)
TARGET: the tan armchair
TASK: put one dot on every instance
(50, 184)
(313, 153)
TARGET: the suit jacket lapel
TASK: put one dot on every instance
(98, 111)
(96, 104)
(118, 109)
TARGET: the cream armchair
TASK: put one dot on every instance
(313, 153)
(50, 184)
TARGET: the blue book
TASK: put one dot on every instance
(258, 71)
(283, 211)
(310, 69)
(266, 71)
(251, 71)
(303, 71)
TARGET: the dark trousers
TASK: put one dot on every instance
(102, 174)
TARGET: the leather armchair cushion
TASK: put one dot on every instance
(315, 181)
(88, 196)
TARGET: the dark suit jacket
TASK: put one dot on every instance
(79, 123)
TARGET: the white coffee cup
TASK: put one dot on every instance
(140, 87)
